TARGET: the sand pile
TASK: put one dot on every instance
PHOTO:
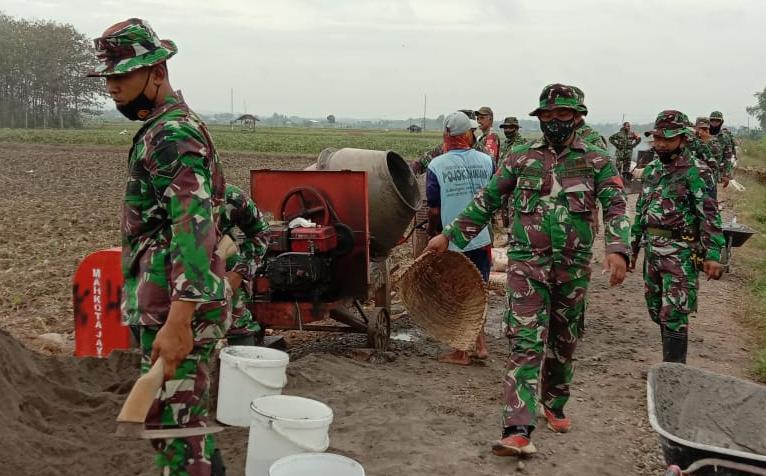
(57, 414)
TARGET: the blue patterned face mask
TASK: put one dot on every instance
(557, 131)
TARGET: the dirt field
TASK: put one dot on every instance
(410, 415)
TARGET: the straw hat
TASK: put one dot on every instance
(445, 295)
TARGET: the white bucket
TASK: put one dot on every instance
(316, 464)
(284, 425)
(248, 373)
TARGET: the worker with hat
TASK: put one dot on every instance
(709, 151)
(510, 127)
(420, 165)
(488, 138)
(452, 180)
(624, 141)
(678, 224)
(728, 149)
(553, 184)
(174, 285)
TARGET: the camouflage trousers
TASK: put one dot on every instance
(182, 401)
(623, 163)
(545, 309)
(670, 287)
(242, 321)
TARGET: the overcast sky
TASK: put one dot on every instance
(358, 58)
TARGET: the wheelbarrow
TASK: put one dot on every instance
(709, 424)
(735, 235)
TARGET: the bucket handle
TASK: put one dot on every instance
(259, 381)
(305, 447)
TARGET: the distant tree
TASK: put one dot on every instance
(331, 119)
(759, 110)
(42, 74)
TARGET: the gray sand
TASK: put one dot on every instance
(711, 409)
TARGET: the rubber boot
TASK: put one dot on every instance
(216, 464)
(674, 345)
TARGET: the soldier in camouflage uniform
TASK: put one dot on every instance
(174, 281)
(510, 127)
(243, 222)
(727, 146)
(679, 222)
(708, 150)
(624, 142)
(554, 184)
(488, 142)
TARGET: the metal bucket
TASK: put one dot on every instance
(393, 191)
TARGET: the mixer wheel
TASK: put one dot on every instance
(379, 328)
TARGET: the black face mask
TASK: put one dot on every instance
(715, 129)
(510, 135)
(557, 132)
(666, 156)
(139, 108)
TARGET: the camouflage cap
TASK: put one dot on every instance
(484, 111)
(129, 45)
(560, 95)
(509, 122)
(716, 115)
(670, 123)
(702, 122)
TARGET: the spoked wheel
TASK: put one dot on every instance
(379, 328)
(311, 205)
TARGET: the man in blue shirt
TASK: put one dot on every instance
(452, 180)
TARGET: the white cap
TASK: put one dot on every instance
(458, 123)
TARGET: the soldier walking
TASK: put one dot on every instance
(679, 222)
(624, 142)
(727, 146)
(174, 281)
(553, 184)
(710, 153)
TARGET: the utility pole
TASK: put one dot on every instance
(425, 102)
(231, 119)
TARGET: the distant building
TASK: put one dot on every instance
(415, 128)
(247, 121)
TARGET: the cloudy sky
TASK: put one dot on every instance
(365, 58)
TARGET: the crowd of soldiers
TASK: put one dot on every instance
(550, 189)
(183, 290)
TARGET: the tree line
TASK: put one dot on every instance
(42, 75)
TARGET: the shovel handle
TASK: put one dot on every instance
(141, 396)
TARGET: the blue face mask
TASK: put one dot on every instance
(556, 131)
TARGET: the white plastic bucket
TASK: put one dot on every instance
(316, 464)
(248, 373)
(284, 425)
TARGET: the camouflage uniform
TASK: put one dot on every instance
(552, 196)
(680, 224)
(173, 199)
(244, 223)
(624, 145)
(517, 139)
(489, 143)
(726, 140)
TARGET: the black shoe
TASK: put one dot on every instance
(674, 345)
(216, 464)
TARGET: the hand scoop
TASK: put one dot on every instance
(132, 417)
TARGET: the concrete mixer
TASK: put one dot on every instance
(333, 227)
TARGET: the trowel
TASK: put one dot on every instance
(132, 417)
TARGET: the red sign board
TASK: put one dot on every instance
(97, 291)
